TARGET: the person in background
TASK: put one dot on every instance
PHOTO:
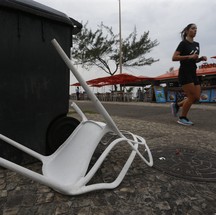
(138, 94)
(187, 53)
(77, 93)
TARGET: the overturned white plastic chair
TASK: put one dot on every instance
(66, 170)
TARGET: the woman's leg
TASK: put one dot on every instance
(180, 104)
(193, 93)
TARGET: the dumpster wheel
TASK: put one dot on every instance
(58, 131)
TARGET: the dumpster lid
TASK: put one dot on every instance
(35, 8)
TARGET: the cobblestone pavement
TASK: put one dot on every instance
(144, 190)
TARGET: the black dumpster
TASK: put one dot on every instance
(34, 81)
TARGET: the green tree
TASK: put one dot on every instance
(101, 49)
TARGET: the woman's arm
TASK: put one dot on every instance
(203, 58)
(177, 57)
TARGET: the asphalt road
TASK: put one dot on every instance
(203, 115)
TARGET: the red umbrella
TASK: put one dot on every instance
(122, 78)
(117, 79)
(75, 84)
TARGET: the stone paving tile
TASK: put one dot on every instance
(144, 190)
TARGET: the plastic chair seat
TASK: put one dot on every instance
(67, 165)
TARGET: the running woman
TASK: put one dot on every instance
(187, 53)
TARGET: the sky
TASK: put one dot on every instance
(164, 19)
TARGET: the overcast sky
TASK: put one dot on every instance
(163, 18)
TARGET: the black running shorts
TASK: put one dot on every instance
(187, 77)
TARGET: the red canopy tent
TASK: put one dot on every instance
(122, 79)
(206, 70)
(168, 75)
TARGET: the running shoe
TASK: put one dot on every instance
(184, 121)
(174, 109)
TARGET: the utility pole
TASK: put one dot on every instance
(120, 39)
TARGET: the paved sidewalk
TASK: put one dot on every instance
(178, 151)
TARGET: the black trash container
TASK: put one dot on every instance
(34, 81)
